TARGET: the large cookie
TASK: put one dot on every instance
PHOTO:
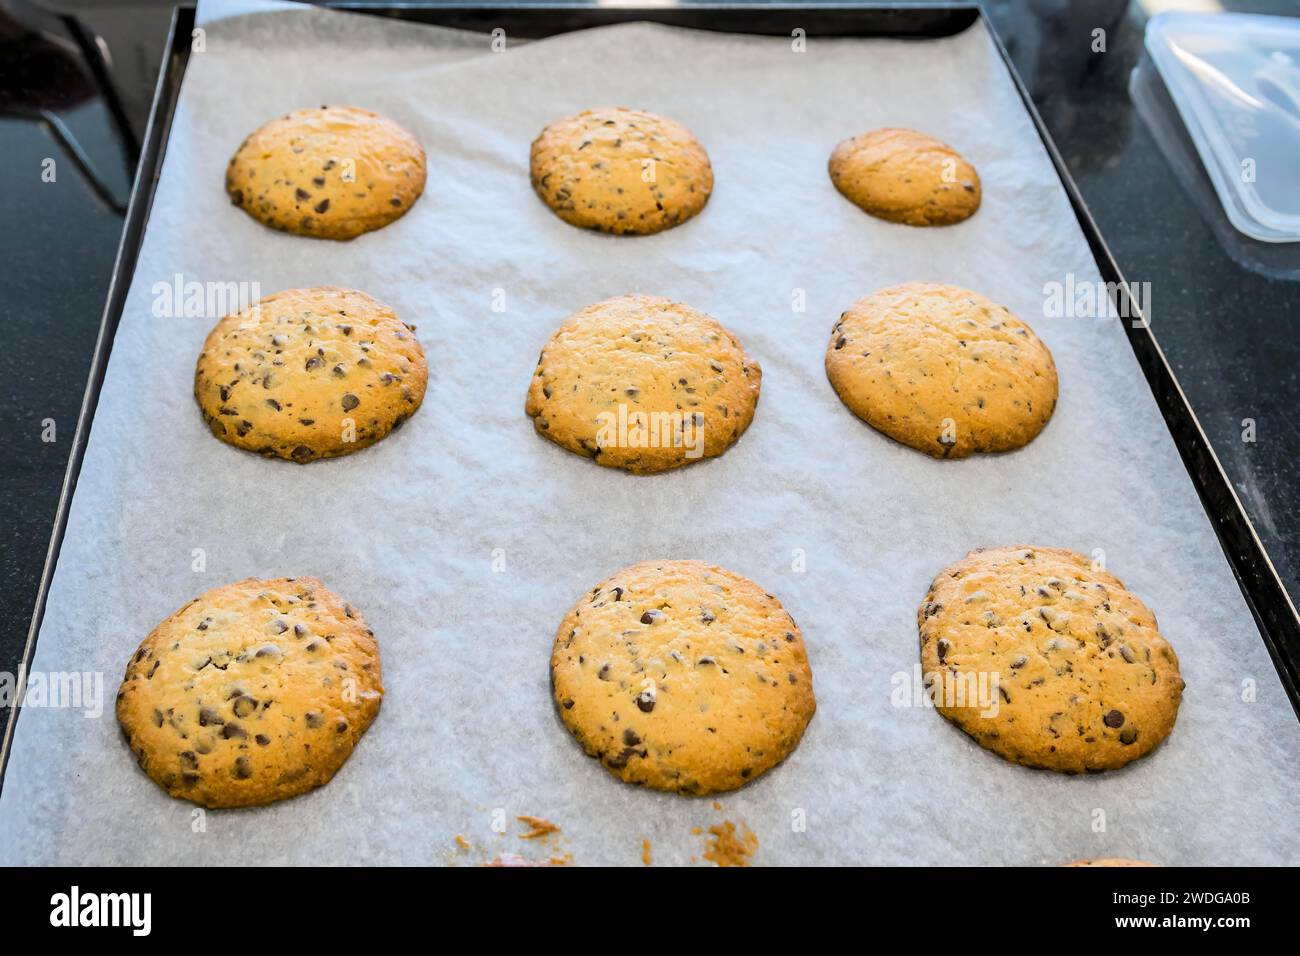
(643, 383)
(331, 173)
(682, 676)
(905, 176)
(942, 369)
(253, 692)
(1047, 660)
(621, 170)
(310, 373)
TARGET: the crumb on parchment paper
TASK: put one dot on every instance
(726, 847)
(514, 859)
(645, 852)
(539, 828)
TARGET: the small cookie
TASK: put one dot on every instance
(620, 170)
(942, 369)
(331, 173)
(310, 373)
(1108, 861)
(251, 693)
(1047, 661)
(680, 675)
(905, 176)
(643, 383)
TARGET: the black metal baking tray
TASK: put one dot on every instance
(1274, 612)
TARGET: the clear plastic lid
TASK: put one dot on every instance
(1235, 79)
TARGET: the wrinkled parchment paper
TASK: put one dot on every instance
(844, 526)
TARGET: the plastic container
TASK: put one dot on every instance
(1235, 80)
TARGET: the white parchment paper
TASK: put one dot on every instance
(408, 530)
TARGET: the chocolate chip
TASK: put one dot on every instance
(313, 718)
(302, 453)
(301, 194)
(707, 616)
(630, 738)
(652, 617)
(323, 205)
(1113, 718)
(243, 706)
(350, 401)
(314, 362)
(1127, 653)
(209, 716)
(188, 760)
(1019, 662)
(645, 701)
(943, 647)
(243, 769)
(603, 673)
(262, 740)
(233, 732)
(1128, 735)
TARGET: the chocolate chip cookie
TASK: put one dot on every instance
(253, 692)
(310, 373)
(621, 170)
(644, 384)
(1047, 660)
(332, 173)
(905, 176)
(682, 676)
(942, 369)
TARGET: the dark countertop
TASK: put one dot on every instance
(1224, 327)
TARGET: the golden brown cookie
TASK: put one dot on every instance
(1108, 861)
(621, 170)
(331, 173)
(942, 369)
(1047, 660)
(253, 692)
(680, 675)
(905, 176)
(310, 373)
(643, 383)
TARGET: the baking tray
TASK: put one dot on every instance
(1274, 612)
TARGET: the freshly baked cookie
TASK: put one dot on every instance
(1046, 660)
(643, 383)
(332, 173)
(309, 373)
(905, 176)
(253, 692)
(620, 170)
(1108, 861)
(682, 676)
(942, 369)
